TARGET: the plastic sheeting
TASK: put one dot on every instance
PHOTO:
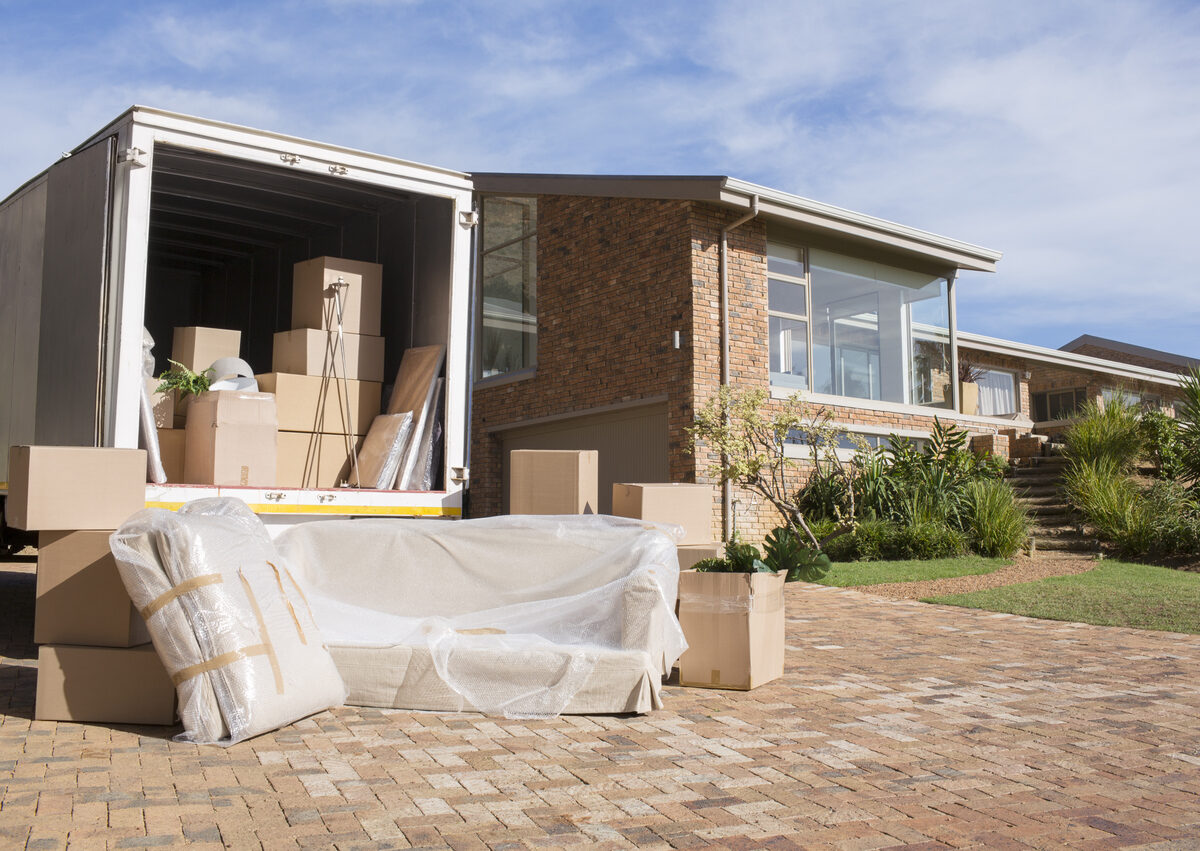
(228, 619)
(516, 613)
(149, 432)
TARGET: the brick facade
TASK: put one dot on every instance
(615, 277)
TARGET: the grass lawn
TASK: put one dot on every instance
(849, 573)
(1115, 593)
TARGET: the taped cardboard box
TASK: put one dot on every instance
(196, 347)
(80, 596)
(311, 403)
(308, 460)
(231, 439)
(686, 505)
(306, 351)
(734, 626)
(109, 685)
(553, 481)
(58, 488)
(312, 295)
(692, 554)
(172, 450)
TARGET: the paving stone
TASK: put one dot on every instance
(896, 725)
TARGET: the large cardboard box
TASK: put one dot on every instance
(734, 624)
(308, 460)
(172, 450)
(231, 439)
(80, 596)
(163, 404)
(54, 488)
(197, 348)
(692, 554)
(687, 505)
(313, 403)
(553, 481)
(312, 295)
(308, 351)
(113, 685)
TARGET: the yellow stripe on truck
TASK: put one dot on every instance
(380, 510)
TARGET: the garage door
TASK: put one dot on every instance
(632, 444)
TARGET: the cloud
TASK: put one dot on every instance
(1063, 134)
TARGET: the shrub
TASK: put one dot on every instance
(1187, 413)
(1160, 435)
(1110, 433)
(1110, 502)
(996, 524)
(839, 548)
(783, 550)
(926, 540)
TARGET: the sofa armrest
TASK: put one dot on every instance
(648, 622)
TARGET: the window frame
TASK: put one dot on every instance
(481, 251)
(806, 282)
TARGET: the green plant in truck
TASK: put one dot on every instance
(182, 380)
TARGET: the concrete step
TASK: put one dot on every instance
(1058, 512)
(1047, 500)
(1057, 531)
(1036, 490)
(1066, 545)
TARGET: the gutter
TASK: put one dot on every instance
(727, 488)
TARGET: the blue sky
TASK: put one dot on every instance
(1065, 134)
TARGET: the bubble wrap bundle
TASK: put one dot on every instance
(229, 620)
(518, 616)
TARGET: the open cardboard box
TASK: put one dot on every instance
(734, 626)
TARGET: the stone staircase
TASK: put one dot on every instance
(1038, 483)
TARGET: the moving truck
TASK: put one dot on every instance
(163, 220)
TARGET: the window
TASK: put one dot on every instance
(508, 285)
(997, 393)
(1131, 397)
(843, 326)
(1058, 404)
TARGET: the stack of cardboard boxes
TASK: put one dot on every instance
(320, 415)
(95, 662)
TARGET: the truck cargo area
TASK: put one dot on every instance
(225, 234)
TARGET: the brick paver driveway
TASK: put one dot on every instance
(897, 725)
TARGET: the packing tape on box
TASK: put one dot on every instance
(707, 604)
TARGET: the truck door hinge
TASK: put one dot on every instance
(468, 218)
(133, 156)
(289, 159)
(338, 169)
(458, 475)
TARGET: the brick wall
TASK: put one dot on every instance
(614, 280)
(1095, 351)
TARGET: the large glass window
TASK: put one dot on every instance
(849, 327)
(508, 284)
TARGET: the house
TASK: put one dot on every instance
(603, 299)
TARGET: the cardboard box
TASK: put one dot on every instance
(80, 596)
(308, 460)
(312, 403)
(553, 481)
(172, 449)
(163, 404)
(112, 685)
(689, 506)
(733, 623)
(307, 351)
(197, 348)
(312, 295)
(231, 439)
(56, 488)
(691, 554)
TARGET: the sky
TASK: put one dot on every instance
(1065, 134)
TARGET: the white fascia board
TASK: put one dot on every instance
(1070, 360)
(220, 137)
(827, 217)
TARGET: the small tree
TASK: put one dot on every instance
(750, 440)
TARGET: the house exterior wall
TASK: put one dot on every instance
(1107, 353)
(614, 282)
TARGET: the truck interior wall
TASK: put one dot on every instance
(22, 231)
(224, 237)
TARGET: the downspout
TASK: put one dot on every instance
(952, 306)
(727, 488)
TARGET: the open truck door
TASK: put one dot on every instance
(72, 352)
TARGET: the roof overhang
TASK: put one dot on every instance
(1067, 360)
(773, 205)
